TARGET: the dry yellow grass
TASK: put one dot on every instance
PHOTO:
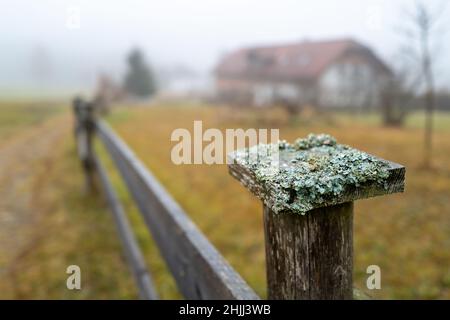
(47, 222)
(407, 235)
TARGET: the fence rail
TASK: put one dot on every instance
(199, 270)
(307, 256)
(133, 253)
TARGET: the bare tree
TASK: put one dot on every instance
(398, 93)
(420, 32)
(396, 98)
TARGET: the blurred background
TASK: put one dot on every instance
(375, 74)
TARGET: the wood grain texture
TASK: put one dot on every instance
(199, 270)
(310, 256)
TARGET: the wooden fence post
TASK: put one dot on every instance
(310, 256)
(309, 236)
(84, 132)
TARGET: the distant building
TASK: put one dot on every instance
(183, 81)
(338, 73)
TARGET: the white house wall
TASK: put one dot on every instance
(268, 93)
(349, 85)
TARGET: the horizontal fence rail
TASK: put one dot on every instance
(131, 248)
(199, 270)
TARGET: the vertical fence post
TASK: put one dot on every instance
(76, 108)
(84, 132)
(309, 252)
(310, 256)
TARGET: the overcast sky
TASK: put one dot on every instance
(81, 38)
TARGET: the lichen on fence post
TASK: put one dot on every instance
(308, 196)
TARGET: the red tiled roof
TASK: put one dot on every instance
(304, 60)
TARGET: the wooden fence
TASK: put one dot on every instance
(307, 257)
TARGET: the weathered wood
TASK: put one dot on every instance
(76, 109)
(84, 132)
(309, 252)
(246, 176)
(310, 256)
(132, 252)
(199, 270)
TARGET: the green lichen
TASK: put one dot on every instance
(311, 172)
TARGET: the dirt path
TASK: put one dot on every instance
(47, 222)
(20, 156)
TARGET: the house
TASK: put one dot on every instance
(336, 73)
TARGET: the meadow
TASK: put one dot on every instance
(407, 235)
(47, 222)
(18, 116)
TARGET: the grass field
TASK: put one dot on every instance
(46, 221)
(407, 235)
(18, 116)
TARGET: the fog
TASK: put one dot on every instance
(63, 45)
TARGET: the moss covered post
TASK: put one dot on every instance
(308, 190)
